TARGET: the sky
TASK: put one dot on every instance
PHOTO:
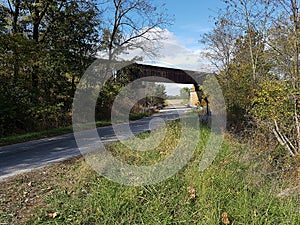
(192, 18)
(182, 49)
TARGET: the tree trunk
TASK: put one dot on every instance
(35, 68)
(15, 31)
(35, 37)
(295, 11)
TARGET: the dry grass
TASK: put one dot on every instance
(22, 194)
(237, 188)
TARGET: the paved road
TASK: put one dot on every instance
(19, 158)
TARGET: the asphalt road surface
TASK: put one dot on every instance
(22, 157)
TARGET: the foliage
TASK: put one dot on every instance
(159, 94)
(47, 45)
(255, 45)
(184, 93)
(273, 101)
(275, 111)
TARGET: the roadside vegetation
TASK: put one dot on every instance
(255, 46)
(45, 47)
(240, 187)
(59, 131)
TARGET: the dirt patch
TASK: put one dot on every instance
(175, 102)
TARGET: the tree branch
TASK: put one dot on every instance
(282, 139)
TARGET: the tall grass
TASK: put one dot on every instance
(230, 191)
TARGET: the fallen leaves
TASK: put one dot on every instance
(225, 219)
(53, 215)
(192, 193)
(24, 194)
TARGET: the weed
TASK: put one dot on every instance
(227, 192)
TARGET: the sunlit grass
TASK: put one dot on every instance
(59, 131)
(233, 186)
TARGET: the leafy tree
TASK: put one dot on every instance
(155, 94)
(276, 112)
(257, 46)
(46, 45)
(184, 93)
(283, 52)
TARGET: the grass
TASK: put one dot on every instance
(42, 134)
(235, 189)
(58, 131)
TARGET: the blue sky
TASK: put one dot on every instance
(181, 47)
(192, 18)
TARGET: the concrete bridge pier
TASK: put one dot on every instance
(197, 96)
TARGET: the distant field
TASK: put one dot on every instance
(176, 102)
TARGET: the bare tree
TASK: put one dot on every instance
(284, 40)
(254, 18)
(220, 42)
(242, 18)
(133, 24)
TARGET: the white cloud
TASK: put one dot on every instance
(173, 53)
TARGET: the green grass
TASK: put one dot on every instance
(58, 131)
(235, 183)
(42, 134)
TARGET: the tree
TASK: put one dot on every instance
(260, 75)
(129, 25)
(155, 94)
(74, 37)
(284, 41)
(236, 77)
(184, 93)
(241, 19)
(236, 46)
(284, 51)
(220, 41)
(133, 24)
(160, 91)
(45, 47)
(275, 110)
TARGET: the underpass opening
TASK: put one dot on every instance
(164, 75)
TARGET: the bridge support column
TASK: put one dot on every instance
(194, 99)
(197, 96)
